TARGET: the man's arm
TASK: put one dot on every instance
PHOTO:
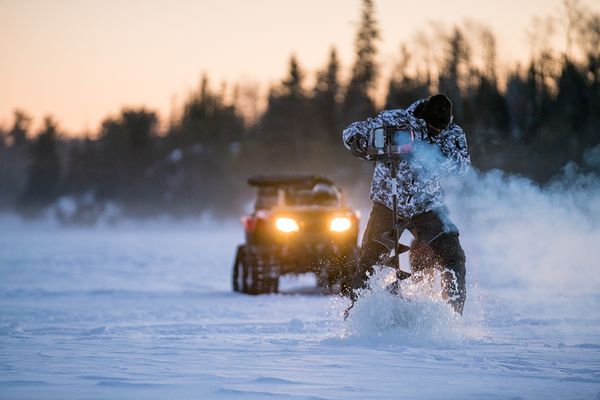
(358, 129)
(454, 146)
(444, 155)
(384, 118)
(453, 154)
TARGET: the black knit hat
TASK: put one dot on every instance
(438, 111)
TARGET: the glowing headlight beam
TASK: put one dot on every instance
(340, 224)
(287, 225)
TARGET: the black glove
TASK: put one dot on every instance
(358, 146)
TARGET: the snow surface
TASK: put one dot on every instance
(146, 312)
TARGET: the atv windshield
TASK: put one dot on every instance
(319, 195)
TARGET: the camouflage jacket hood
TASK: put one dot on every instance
(418, 177)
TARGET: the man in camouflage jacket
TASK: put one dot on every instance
(439, 149)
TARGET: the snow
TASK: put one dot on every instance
(146, 312)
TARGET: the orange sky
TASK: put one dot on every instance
(82, 60)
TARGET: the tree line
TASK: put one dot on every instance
(529, 119)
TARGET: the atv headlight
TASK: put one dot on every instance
(340, 224)
(287, 225)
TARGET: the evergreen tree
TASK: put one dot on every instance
(14, 159)
(292, 85)
(200, 151)
(358, 104)
(516, 104)
(287, 122)
(325, 100)
(140, 126)
(43, 183)
(491, 110)
(17, 136)
(126, 147)
(589, 39)
(208, 121)
(404, 89)
(572, 99)
(452, 80)
(84, 168)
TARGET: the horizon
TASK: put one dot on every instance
(95, 61)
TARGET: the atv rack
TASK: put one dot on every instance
(301, 181)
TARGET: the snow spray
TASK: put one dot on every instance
(419, 317)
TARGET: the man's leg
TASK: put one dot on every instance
(422, 262)
(380, 221)
(441, 235)
(452, 259)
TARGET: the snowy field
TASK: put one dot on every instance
(146, 312)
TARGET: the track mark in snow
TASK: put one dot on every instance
(124, 383)
(239, 392)
(23, 383)
(274, 380)
(594, 346)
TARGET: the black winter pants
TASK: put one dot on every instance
(436, 245)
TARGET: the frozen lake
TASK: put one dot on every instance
(147, 312)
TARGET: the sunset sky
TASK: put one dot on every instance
(81, 60)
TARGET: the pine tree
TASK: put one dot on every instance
(17, 136)
(14, 159)
(43, 183)
(572, 99)
(286, 118)
(325, 100)
(403, 89)
(452, 80)
(292, 85)
(207, 120)
(358, 104)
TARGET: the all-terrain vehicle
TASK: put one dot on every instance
(299, 224)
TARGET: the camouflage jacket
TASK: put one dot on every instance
(418, 178)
